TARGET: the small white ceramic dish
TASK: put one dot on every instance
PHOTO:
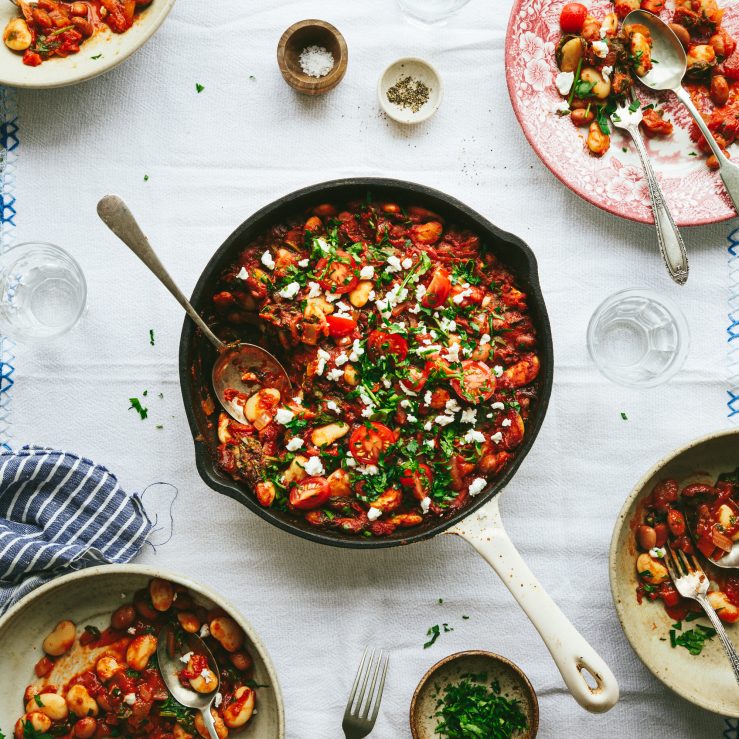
(110, 49)
(706, 679)
(417, 69)
(89, 597)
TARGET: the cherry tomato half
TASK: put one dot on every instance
(340, 275)
(383, 344)
(478, 382)
(572, 17)
(417, 481)
(312, 492)
(368, 442)
(339, 326)
(415, 381)
(438, 290)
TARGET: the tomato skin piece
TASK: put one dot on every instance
(342, 277)
(418, 481)
(416, 380)
(339, 326)
(383, 344)
(310, 493)
(367, 443)
(479, 382)
(572, 17)
(438, 290)
(731, 67)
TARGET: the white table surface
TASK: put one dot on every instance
(213, 159)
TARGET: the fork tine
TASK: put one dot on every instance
(670, 563)
(372, 688)
(350, 702)
(379, 692)
(367, 671)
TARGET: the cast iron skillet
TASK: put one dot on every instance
(484, 529)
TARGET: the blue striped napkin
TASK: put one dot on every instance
(61, 512)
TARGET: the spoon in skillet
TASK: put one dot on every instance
(171, 656)
(668, 74)
(241, 369)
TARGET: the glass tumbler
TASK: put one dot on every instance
(42, 292)
(638, 338)
(431, 11)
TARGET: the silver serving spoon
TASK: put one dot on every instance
(668, 75)
(670, 242)
(240, 366)
(171, 664)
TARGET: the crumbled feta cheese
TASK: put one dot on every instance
(342, 314)
(420, 291)
(313, 466)
(469, 415)
(205, 673)
(506, 422)
(323, 357)
(474, 437)
(452, 353)
(497, 406)
(564, 82)
(298, 400)
(350, 461)
(323, 245)
(428, 426)
(343, 307)
(561, 106)
(484, 339)
(415, 309)
(497, 437)
(331, 405)
(331, 297)
(284, 416)
(243, 274)
(341, 359)
(427, 397)
(204, 631)
(314, 289)
(657, 552)
(374, 513)
(294, 444)
(406, 391)
(412, 418)
(386, 383)
(393, 264)
(424, 351)
(371, 295)
(448, 324)
(290, 291)
(477, 486)
(185, 658)
(407, 263)
(605, 27)
(218, 700)
(367, 273)
(267, 260)
(443, 420)
(497, 370)
(452, 406)
(302, 263)
(425, 503)
(600, 48)
(335, 374)
(460, 296)
(607, 72)
(129, 699)
(131, 631)
(368, 469)
(405, 403)
(430, 443)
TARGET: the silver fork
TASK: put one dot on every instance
(692, 582)
(670, 242)
(357, 723)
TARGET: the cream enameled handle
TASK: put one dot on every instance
(571, 652)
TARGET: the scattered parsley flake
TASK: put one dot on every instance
(136, 405)
(199, 88)
(624, 417)
(97, 56)
(151, 336)
(434, 633)
(146, 178)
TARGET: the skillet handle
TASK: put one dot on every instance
(572, 654)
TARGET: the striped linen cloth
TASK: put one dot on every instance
(61, 512)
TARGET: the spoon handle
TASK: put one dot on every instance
(671, 244)
(728, 170)
(210, 725)
(119, 219)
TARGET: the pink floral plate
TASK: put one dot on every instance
(614, 182)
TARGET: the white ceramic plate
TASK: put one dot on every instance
(113, 49)
(89, 597)
(707, 679)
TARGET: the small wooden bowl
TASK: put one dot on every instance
(309, 33)
(513, 685)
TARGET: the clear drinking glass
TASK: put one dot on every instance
(431, 11)
(638, 338)
(42, 291)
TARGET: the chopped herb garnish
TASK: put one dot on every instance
(198, 87)
(693, 640)
(151, 336)
(97, 56)
(434, 633)
(146, 178)
(624, 417)
(136, 405)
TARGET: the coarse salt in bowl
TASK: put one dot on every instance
(418, 107)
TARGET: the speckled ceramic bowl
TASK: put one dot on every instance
(89, 597)
(513, 683)
(706, 679)
(97, 55)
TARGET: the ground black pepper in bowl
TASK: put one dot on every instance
(409, 92)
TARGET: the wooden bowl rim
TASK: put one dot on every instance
(301, 82)
(533, 728)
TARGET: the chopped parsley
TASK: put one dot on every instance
(199, 88)
(184, 716)
(693, 640)
(470, 708)
(434, 633)
(146, 178)
(624, 417)
(136, 406)
(151, 336)
(97, 56)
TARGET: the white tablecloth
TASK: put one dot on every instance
(215, 157)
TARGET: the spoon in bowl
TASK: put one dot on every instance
(668, 74)
(241, 369)
(171, 659)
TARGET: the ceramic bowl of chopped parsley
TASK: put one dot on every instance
(471, 695)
